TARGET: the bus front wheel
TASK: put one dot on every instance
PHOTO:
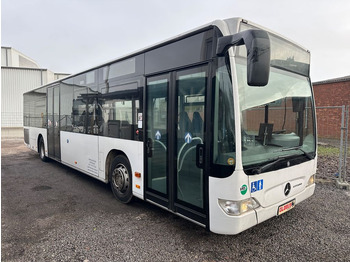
(120, 178)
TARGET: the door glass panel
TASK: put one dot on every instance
(157, 133)
(191, 87)
(56, 121)
(50, 122)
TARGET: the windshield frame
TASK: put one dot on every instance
(224, 119)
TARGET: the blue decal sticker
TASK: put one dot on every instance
(158, 135)
(257, 185)
(188, 138)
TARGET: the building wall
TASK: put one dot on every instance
(19, 74)
(13, 58)
(332, 94)
(14, 82)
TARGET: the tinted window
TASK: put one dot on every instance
(79, 114)
(120, 111)
(34, 108)
(66, 107)
(127, 68)
(187, 51)
(121, 68)
(91, 103)
(93, 113)
(89, 79)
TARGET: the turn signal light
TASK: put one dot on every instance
(311, 180)
(137, 174)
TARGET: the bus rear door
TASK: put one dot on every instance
(53, 125)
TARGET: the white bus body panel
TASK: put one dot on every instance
(34, 133)
(134, 152)
(228, 189)
(270, 197)
(88, 153)
(80, 151)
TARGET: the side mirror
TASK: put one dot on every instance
(257, 43)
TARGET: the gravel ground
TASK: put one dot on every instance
(328, 163)
(53, 213)
(328, 168)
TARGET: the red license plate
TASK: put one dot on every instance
(285, 207)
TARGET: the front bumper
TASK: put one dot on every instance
(231, 225)
(264, 213)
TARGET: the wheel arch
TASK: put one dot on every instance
(40, 136)
(109, 159)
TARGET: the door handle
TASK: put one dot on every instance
(149, 147)
(200, 156)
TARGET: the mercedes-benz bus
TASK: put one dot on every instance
(216, 125)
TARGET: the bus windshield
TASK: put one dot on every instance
(277, 120)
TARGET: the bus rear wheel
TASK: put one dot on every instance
(42, 150)
(120, 179)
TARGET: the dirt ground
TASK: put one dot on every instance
(53, 213)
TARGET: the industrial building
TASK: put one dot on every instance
(19, 74)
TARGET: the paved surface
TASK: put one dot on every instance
(53, 213)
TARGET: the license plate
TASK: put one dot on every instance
(285, 207)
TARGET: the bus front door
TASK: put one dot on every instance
(174, 148)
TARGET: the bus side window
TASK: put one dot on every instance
(117, 118)
(120, 110)
(79, 113)
(93, 116)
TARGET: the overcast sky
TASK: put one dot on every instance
(72, 35)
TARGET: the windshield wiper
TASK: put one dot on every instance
(308, 155)
(261, 169)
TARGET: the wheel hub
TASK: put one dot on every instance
(121, 178)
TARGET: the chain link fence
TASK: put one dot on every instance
(11, 119)
(333, 137)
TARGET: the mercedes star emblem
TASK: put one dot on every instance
(287, 189)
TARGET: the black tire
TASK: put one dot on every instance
(42, 150)
(120, 178)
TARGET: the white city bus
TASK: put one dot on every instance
(216, 125)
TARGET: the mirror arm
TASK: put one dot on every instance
(242, 38)
(225, 42)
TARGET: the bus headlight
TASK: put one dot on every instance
(311, 180)
(236, 208)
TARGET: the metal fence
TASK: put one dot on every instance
(343, 150)
(11, 119)
(328, 123)
(333, 130)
